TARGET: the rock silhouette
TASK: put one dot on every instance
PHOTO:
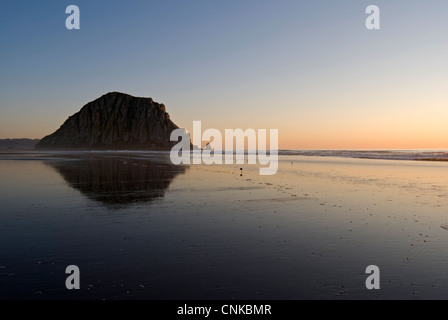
(114, 121)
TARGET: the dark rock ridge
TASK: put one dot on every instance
(18, 144)
(115, 121)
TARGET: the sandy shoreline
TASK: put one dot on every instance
(206, 232)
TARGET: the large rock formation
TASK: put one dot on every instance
(115, 121)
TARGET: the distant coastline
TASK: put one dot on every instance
(440, 155)
(415, 155)
(18, 144)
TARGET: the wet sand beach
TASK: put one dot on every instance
(139, 227)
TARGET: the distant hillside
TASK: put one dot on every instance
(115, 121)
(18, 144)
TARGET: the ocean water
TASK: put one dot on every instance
(417, 155)
(139, 227)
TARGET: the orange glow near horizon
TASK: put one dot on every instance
(404, 121)
(379, 133)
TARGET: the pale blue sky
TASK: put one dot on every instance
(308, 68)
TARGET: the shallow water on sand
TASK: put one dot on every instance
(141, 228)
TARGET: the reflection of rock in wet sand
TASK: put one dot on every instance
(118, 181)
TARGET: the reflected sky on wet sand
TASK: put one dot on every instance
(140, 228)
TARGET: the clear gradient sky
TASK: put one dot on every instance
(308, 68)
